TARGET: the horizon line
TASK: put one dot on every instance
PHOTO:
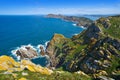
(63, 14)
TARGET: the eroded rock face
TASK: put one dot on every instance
(98, 56)
(26, 52)
(91, 51)
(92, 32)
(52, 49)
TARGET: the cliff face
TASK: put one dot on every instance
(53, 48)
(94, 51)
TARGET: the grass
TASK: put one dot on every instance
(114, 65)
(114, 29)
(38, 76)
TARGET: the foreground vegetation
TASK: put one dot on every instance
(57, 75)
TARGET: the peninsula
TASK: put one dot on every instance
(80, 21)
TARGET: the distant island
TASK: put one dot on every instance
(80, 21)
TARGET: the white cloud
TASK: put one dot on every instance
(85, 11)
(65, 11)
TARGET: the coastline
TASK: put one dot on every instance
(82, 22)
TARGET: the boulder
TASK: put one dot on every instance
(26, 52)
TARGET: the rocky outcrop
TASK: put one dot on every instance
(92, 32)
(94, 51)
(9, 65)
(80, 21)
(26, 52)
(52, 48)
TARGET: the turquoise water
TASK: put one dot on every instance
(23, 30)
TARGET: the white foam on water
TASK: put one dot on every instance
(74, 24)
(75, 34)
(46, 43)
(36, 48)
(83, 27)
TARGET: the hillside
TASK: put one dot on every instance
(95, 51)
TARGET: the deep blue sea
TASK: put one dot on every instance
(16, 31)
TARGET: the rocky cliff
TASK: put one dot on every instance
(95, 51)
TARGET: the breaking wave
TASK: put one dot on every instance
(36, 48)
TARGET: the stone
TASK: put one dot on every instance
(26, 52)
(42, 52)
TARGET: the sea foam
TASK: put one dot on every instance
(36, 48)
(74, 24)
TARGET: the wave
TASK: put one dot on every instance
(79, 26)
(76, 34)
(83, 27)
(74, 24)
(36, 48)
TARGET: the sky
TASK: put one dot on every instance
(17, 7)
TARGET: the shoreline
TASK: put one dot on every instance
(79, 21)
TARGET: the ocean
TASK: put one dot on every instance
(33, 30)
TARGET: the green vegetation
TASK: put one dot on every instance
(114, 65)
(37, 76)
(113, 26)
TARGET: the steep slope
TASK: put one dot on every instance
(95, 51)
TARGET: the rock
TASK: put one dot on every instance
(104, 78)
(81, 73)
(26, 52)
(42, 52)
(9, 65)
(7, 62)
(92, 32)
(24, 74)
(26, 64)
(52, 48)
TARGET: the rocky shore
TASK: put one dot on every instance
(28, 52)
